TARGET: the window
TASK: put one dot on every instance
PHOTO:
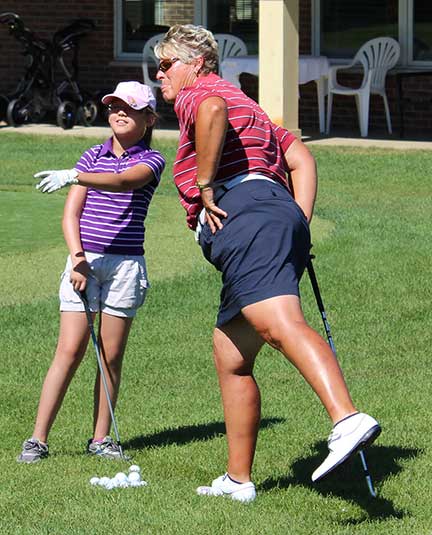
(238, 17)
(137, 20)
(422, 31)
(342, 26)
(347, 24)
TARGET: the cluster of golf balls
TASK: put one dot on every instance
(121, 480)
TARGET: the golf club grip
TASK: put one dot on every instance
(83, 296)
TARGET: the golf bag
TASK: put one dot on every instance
(39, 91)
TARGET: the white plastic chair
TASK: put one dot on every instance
(149, 58)
(229, 46)
(376, 56)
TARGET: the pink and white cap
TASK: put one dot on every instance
(137, 96)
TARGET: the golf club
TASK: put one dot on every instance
(84, 299)
(315, 287)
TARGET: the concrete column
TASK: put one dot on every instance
(278, 61)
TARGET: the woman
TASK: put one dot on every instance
(103, 226)
(230, 172)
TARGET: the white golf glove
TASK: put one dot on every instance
(54, 180)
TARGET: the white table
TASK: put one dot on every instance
(310, 68)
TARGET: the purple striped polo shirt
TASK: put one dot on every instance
(113, 222)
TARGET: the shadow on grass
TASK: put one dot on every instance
(187, 433)
(348, 481)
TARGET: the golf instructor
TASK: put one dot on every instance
(231, 174)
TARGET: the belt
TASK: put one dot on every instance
(229, 184)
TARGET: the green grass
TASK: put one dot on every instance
(371, 236)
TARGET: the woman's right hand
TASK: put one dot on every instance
(214, 214)
(79, 275)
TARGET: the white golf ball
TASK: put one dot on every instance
(134, 468)
(112, 484)
(103, 481)
(139, 484)
(94, 481)
(121, 477)
(134, 477)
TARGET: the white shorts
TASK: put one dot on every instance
(117, 285)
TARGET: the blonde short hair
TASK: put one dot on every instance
(187, 42)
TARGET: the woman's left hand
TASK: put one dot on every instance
(214, 214)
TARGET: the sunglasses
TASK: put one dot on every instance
(115, 108)
(166, 64)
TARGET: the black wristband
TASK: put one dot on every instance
(203, 186)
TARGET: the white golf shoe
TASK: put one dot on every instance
(348, 436)
(225, 486)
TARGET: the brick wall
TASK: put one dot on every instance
(178, 12)
(305, 18)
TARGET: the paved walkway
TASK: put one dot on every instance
(349, 141)
(84, 131)
(342, 140)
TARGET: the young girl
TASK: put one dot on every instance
(103, 225)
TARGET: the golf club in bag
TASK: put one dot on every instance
(315, 287)
(84, 299)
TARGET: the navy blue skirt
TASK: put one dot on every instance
(263, 248)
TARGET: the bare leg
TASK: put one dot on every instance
(236, 345)
(71, 347)
(281, 323)
(113, 335)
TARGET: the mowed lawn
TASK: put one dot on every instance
(372, 241)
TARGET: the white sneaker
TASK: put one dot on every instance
(225, 486)
(350, 435)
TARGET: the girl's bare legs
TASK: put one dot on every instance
(113, 336)
(236, 345)
(281, 323)
(71, 347)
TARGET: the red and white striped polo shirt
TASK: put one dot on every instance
(253, 144)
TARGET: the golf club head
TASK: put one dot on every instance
(123, 455)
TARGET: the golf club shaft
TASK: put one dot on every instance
(320, 304)
(101, 369)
